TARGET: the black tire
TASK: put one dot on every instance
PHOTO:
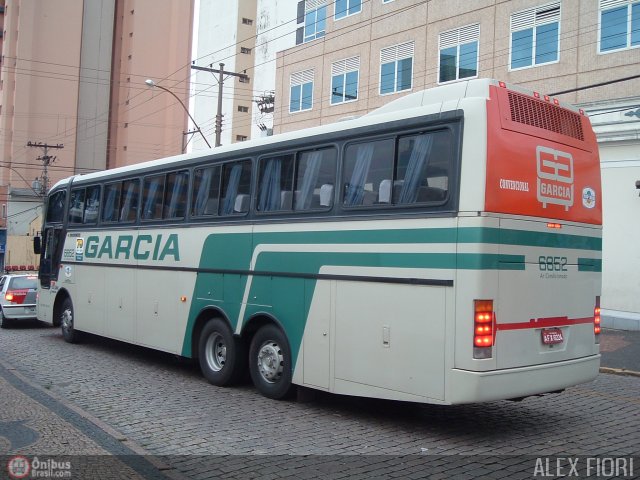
(4, 323)
(222, 355)
(270, 363)
(66, 319)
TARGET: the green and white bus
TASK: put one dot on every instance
(445, 248)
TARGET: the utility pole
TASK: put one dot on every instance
(221, 73)
(46, 161)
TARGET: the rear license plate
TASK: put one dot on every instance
(30, 310)
(552, 336)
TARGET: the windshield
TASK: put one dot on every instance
(23, 283)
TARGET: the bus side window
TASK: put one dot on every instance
(236, 187)
(366, 166)
(111, 202)
(92, 204)
(76, 206)
(422, 168)
(206, 191)
(176, 194)
(130, 193)
(275, 184)
(152, 195)
(314, 171)
(411, 165)
(55, 207)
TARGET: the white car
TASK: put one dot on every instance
(17, 298)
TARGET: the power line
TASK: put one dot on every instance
(595, 85)
(336, 33)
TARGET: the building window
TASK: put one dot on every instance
(241, 138)
(535, 37)
(344, 80)
(301, 97)
(311, 16)
(315, 14)
(344, 8)
(245, 50)
(243, 109)
(396, 68)
(458, 53)
(619, 25)
(247, 21)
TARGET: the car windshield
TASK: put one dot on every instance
(23, 283)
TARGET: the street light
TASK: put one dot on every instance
(152, 84)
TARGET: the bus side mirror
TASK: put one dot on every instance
(37, 245)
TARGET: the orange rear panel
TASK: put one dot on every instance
(542, 160)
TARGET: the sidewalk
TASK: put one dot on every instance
(620, 350)
(43, 435)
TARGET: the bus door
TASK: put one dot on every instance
(51, 256)
(53, 244)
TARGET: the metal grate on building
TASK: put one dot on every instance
(539, 114)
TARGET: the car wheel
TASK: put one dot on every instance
(270, 363)
(66, 321)
(221, 354)
(4, 323)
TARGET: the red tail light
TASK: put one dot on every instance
(483, 328)
(596, 320)
(16, 296)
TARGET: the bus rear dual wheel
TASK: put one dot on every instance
(223, 358)
(270, 362)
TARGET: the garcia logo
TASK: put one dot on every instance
(144, 247)
(588, 197)
(555, 177)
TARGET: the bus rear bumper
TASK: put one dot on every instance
(468, 387)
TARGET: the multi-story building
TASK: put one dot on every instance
(244, 36)
(226, 35)
(357, 55)
(73, 75)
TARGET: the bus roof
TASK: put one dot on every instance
(431, 101)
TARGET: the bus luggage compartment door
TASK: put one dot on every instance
(546, 302)
(391, 337)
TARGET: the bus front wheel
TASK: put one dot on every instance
(69, 333)
(221, 354)
(270, 362)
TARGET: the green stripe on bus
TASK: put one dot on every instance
(589, 264)
(289, 299)
(483, 235)
(527, 238)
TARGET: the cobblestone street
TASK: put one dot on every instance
(154, 403)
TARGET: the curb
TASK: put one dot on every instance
(620, 371)
(164, 468)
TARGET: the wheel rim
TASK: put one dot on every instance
(270, 361)
(67, 320)
(216, 352)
